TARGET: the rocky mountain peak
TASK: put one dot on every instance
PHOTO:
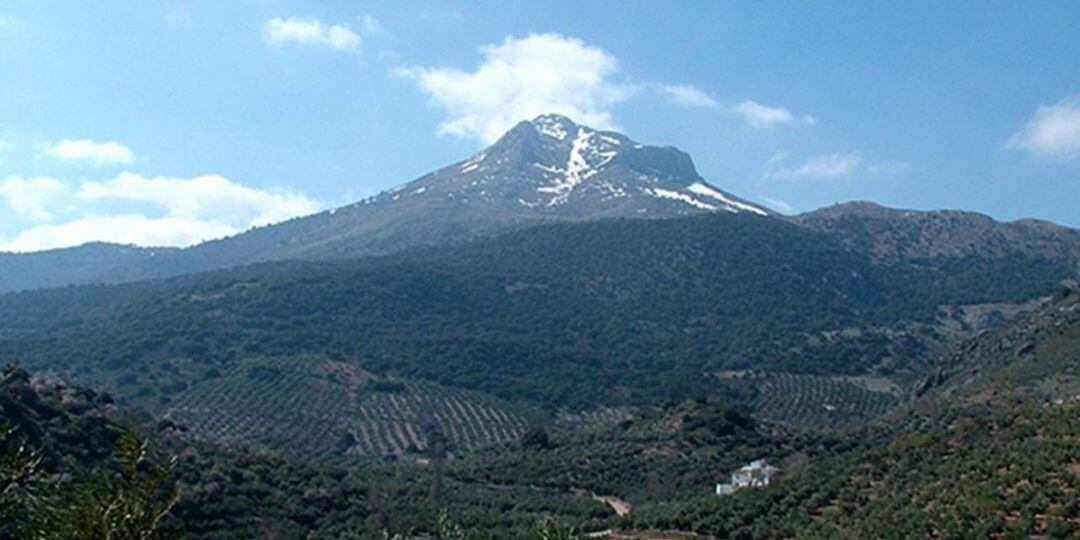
(553, 167)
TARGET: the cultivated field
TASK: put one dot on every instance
(313, 407)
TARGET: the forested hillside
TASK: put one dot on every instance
(641, 309)
(1005, 472)
(959, 461)
(66, 446)
(989, 451)
(71, 463)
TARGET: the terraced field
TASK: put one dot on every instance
(318, 408)
(812, 399)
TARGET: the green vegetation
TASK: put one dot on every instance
(1037, 355)
(1001, 472)
(69, 465)
(675, 452)
(52, 485)
(990, 450)
(457, 365)
(810, 400)
(316, 408)
(545, 315)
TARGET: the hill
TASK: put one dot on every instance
(890, 234)
(89, 263)
(988, 451)
(674, 452)
(73, 439)
(642, 308)
(320, 409)
(1035, 357)
(229, 491)
(955, 465)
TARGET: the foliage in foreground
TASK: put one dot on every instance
(123, 504)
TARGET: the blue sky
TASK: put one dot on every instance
(172, 122)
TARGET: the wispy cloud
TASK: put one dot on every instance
(826, 167)
(1053, 131)
(133, 229)
(687, 95)
(371, 25)
(833, 167)
(310, 32)
(763, 116)
(522, 78)
(753, 113)
(88, 150)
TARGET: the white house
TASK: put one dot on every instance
(757, 474)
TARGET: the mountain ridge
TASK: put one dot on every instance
(892, 234)
(546, 169)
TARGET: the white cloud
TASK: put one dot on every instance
(122, 229)
(305, 31)
(687, 95)
(520, 79)
(88, 150)
(1053, 132)
(32, 197)
(763, 116)
(827, 167)
(203, 197)
(133, 209)
(4, 146)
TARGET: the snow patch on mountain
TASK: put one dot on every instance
(551, 166)
(551, 125)
(473, 163)
(708, 191)
(588, 154)
(680, 196)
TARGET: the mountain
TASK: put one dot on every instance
(549, 169)
(88, 263)
(650, 310)
(892, 235)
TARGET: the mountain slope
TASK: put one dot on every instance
(642, 308)
(89, 263)
(989, 451)
(549, 169)
(1035, 356)
(890, 234)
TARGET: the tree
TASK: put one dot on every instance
(124, 504)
